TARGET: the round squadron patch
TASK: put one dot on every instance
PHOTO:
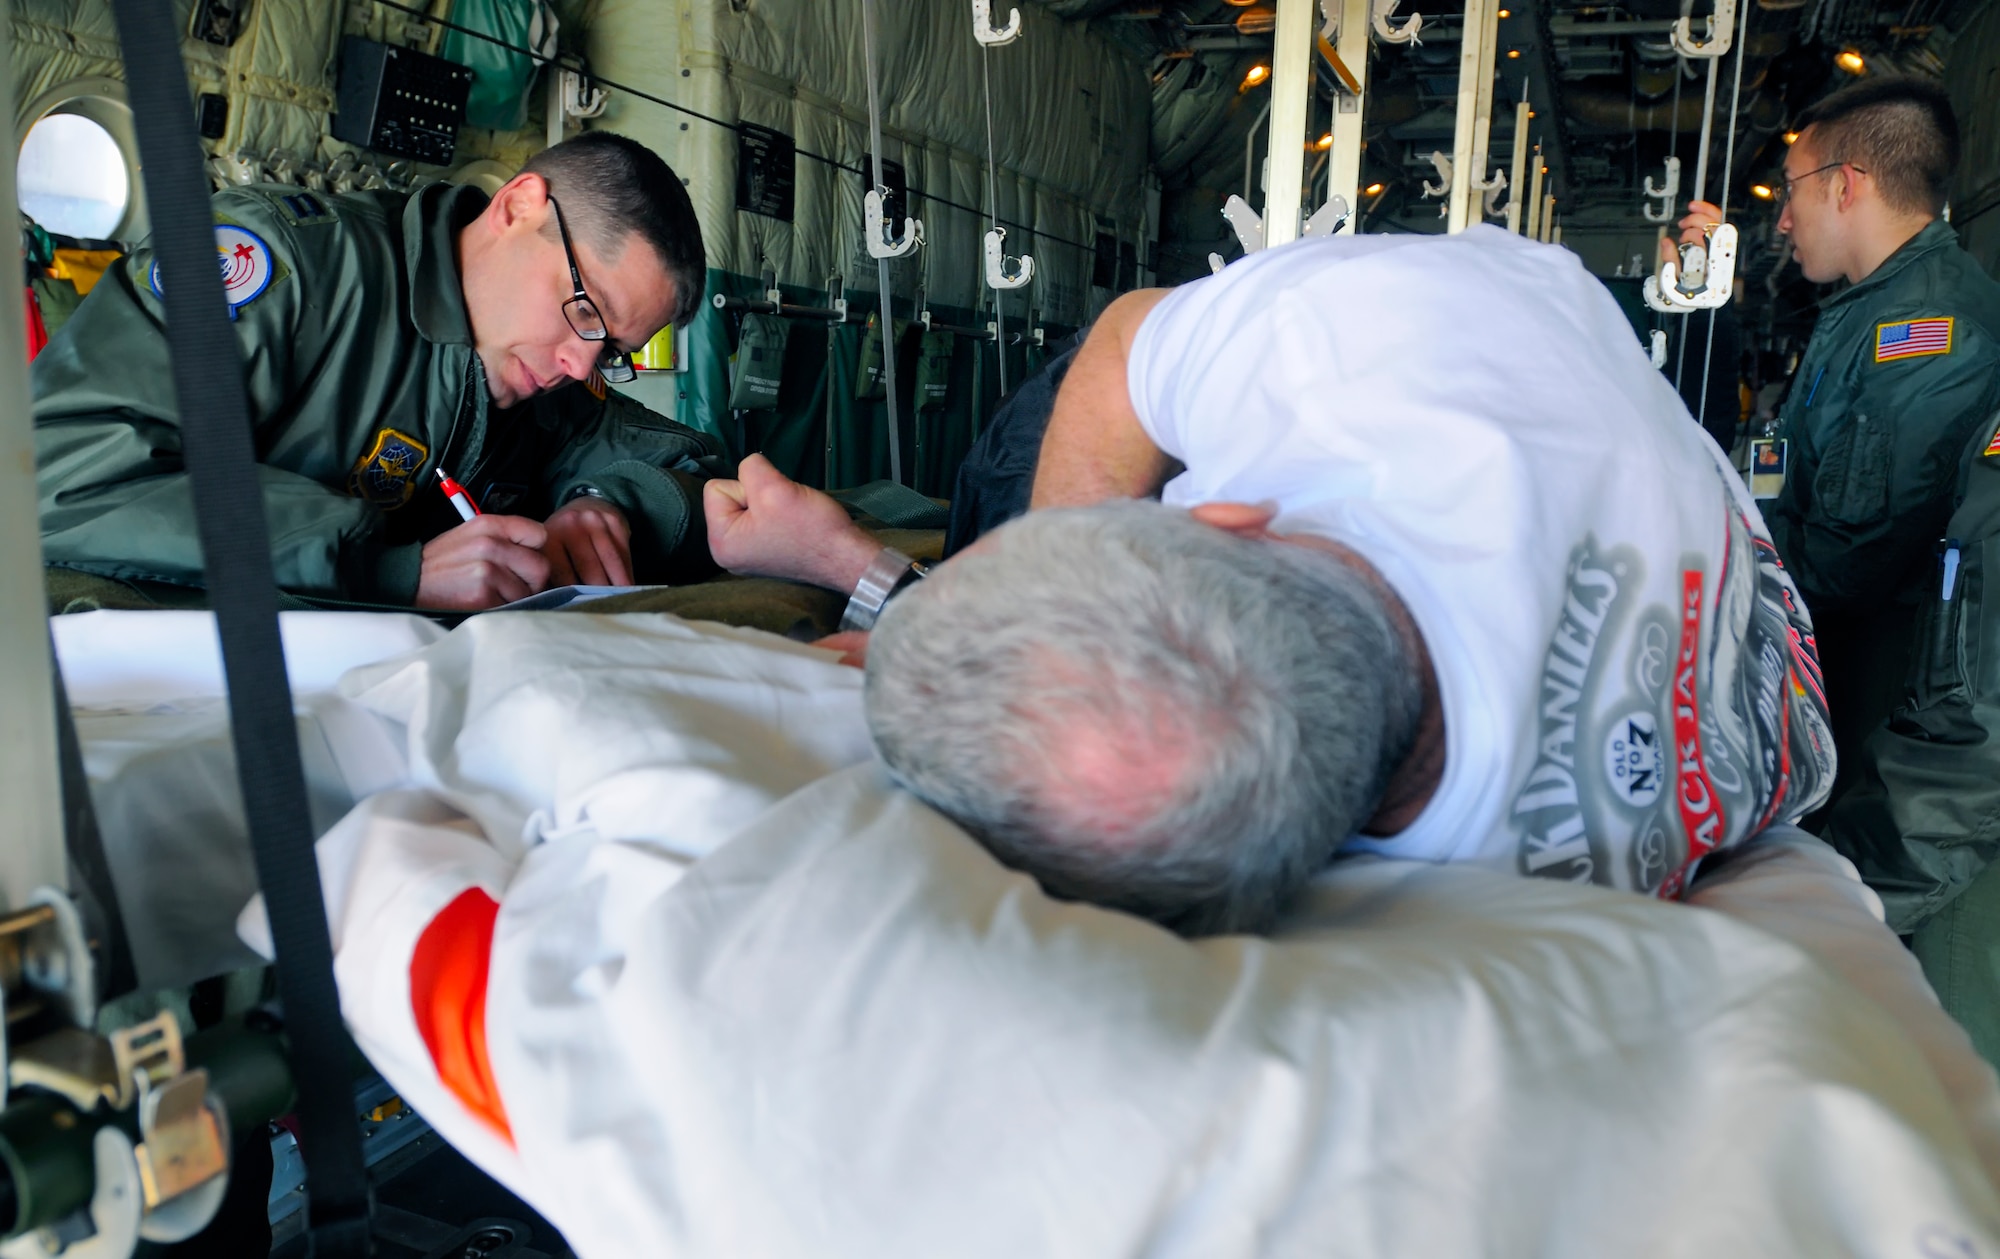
(246, 265)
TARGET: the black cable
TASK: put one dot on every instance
(540, 60)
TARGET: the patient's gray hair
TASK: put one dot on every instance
(1146, 712)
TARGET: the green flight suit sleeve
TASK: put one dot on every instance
(650, 467)
(1922, 820)
(1884, 485)
(113, 491)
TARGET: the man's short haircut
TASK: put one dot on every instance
(1897, 128)
(1146, 712)
(611, 187)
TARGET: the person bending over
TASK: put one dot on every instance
(1462, 581)
(389, 340)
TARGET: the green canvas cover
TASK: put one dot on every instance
(757, 367)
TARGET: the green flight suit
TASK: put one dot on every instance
(1876, 436)
(1886, 459)
(1922, 820)
(362, 381)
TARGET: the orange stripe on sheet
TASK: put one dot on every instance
(448, 998)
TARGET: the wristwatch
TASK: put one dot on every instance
(889, 572)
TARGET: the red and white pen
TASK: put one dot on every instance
(467, 509)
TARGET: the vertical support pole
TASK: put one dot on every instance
(1344, 179)
(1475, 71)
(1516, 190)
(1535, 196)
(29, 780)
(1548, 217)
(1482, 118)
(1291, 92)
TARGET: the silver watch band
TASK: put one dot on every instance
(884, 573)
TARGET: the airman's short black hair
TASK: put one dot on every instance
(1897, 128)
(611, 186)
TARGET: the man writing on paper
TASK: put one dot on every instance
(388, 340)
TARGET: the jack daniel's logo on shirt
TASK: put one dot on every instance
(1667, 731)
(1555, 836)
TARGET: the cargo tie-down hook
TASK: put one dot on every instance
(988, 34)
(999, 275)
(1699, 276)
(1404, 34)
(1666, 196)
(883, 242)
(1720, 29)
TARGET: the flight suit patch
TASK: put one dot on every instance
(1992, 447)
(596, 384)
(248, 267)
(387, 475)
(305, 208)
(1912, 338)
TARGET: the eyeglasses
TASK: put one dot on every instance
(582, 315)
(1785, 193)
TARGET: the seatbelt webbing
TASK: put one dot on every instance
(235, 543)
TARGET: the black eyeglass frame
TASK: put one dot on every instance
(1785, 186)
(614, 364)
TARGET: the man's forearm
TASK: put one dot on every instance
(1095, 448)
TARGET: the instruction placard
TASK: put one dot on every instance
(766, 171)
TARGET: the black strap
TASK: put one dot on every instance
(236, 549)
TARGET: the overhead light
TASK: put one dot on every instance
(1242, 4)
(1531, 113)
(1257, 74)
(1513, 53)
(1324, 143)
(1791, 137)
(1257, 22)
(1506, 13)
(1761, 191)
(1372, 190)
(1850, 61)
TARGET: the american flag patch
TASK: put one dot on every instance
(1913, 338)
(1993, 447)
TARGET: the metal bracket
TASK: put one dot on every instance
(1246, 222)
(1721, 30)
(880, 234)
(1490, 190)
(1216, 264)
(1329, 218)
(988, 34)
(1404, 34)
(1657, 350)
(1666, 195)
(998, 274)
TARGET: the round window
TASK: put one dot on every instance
(72, 177)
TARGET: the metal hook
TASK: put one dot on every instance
(1721, 29)
(1701, 277)
(988, 34)
(1404, 34)
(1443, 165)
(880, 233)
(998, 276)
(1491, 188)
(1666, 196)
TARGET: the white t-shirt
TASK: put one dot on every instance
(1627, 674)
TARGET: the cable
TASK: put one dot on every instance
(1728, 170)
(993, 200)
(884, 292)
(629, 90)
